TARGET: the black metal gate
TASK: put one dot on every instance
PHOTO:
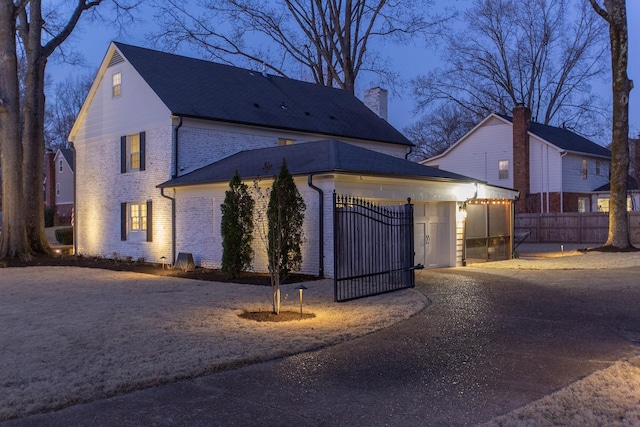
(373, 248)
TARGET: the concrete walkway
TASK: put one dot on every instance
(490, 342)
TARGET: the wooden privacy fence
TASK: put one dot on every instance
(571, 227)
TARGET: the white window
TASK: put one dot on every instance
(138, 216)
(503, 169)
(585, 173)
(133, 152)
(603, 204)
(116, 84)
(598, 167)
(284, 141)
(57, 188)
(136, 221)
(60, 166)
(583, 204)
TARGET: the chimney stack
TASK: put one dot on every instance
(376, 99)
(521, 172)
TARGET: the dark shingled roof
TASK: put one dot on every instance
(632, 185)
(201, 89)
(565, 139)
(312, 157)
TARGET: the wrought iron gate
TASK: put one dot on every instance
(373, 248)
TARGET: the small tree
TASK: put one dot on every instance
(285, 215)
(237, 228)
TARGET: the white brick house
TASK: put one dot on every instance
(154, 123)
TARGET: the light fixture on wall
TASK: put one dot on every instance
(462, 212)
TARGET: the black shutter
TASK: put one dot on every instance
(123, 221)
(149, 222)
(142, 150)
(123, 154)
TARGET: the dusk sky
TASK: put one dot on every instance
(411, 61)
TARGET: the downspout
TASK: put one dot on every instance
(321, 225)
(175, 148)
(73, 212)
(409, 150)
(562, 184)
(173, 225)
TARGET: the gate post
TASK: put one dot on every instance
(410, 248)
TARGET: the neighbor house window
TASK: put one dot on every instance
(583, 204)
(132, 154)
(60, 166)
(584, 169)
(116, 84)
(503, 169)
(603, 204)
(598, 167)
(57, 189)
(136, 221)
(284, 141)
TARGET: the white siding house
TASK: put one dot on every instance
(160, 136)
(554, 169)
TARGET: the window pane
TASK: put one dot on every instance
(503, 169)
(135, 161)
(135, 217)
(143, 215)
(133, 142)
(116, 81)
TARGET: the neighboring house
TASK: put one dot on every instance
(160, 136)
(554, 169)
(59, 184)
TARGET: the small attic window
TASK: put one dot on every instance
(306, 113)
(116, 84)
(255, 104)
(332, 117)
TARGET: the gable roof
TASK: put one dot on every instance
(564, 139)
(68, 156)
(561, 138)
(325, 156)
(207, 90)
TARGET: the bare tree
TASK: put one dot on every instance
(13, 239)
(329, 40)
(439, 130)
(39, 39)
(615, 14)
(541, 53)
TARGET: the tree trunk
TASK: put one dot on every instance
(13, 238)
(616, 16)
(33, 133)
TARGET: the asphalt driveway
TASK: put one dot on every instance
(490, 342)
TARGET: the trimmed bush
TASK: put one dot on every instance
(64, 236)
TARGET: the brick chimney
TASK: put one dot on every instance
(376, 99)
(50, 172)
(521, 121)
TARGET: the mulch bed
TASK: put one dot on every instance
(208, 274)
(283, 316)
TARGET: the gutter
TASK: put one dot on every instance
(321, 225)
(173, 225)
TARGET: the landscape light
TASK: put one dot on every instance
(301, 288)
